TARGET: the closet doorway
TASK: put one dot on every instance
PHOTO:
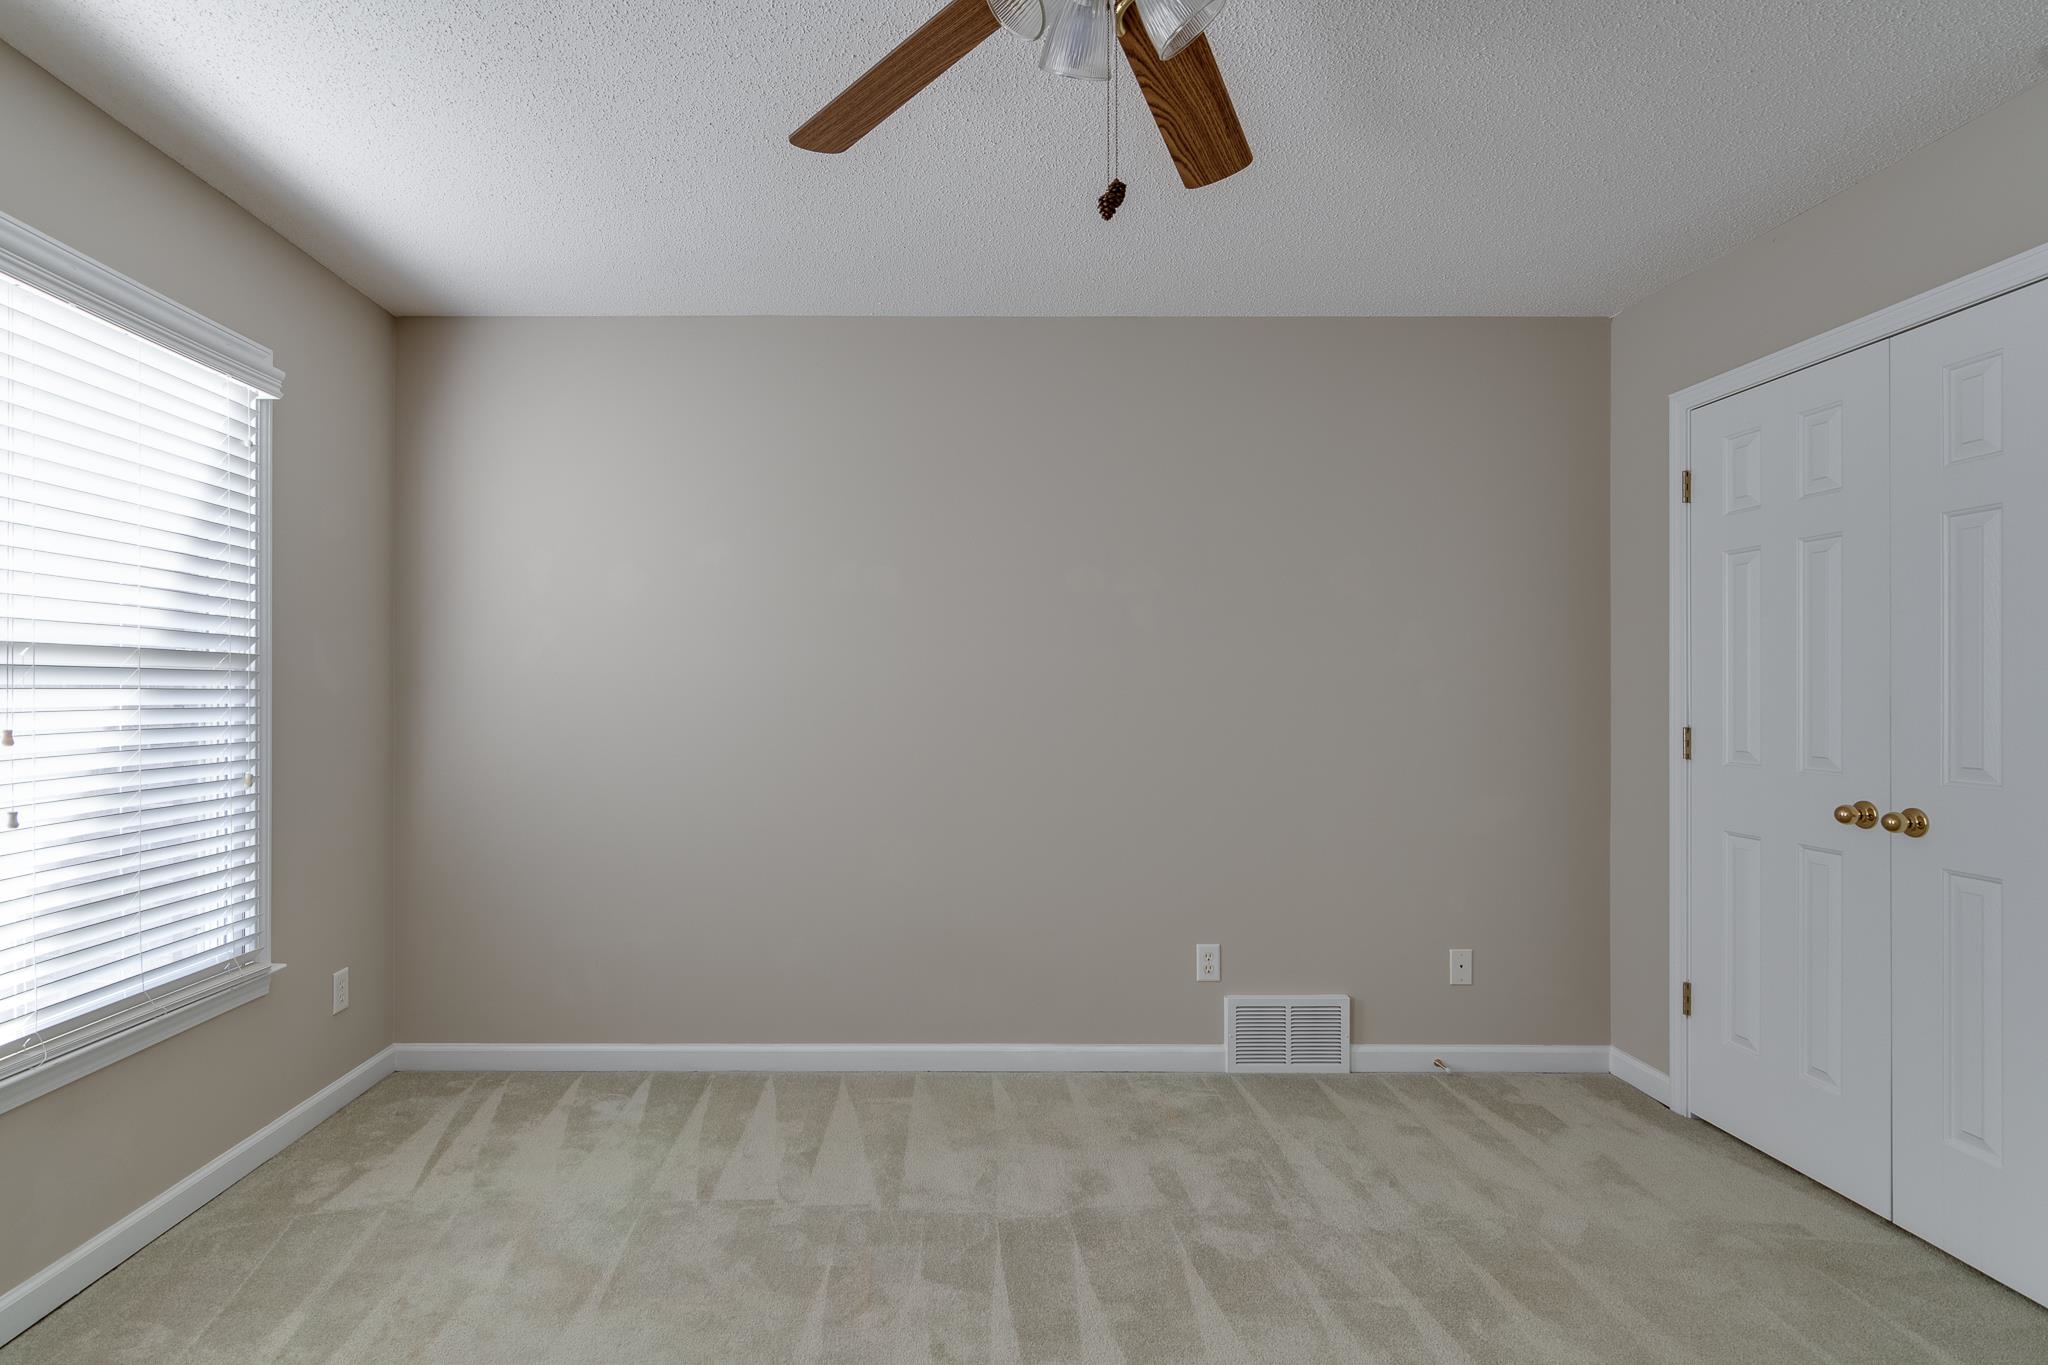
(1860, 867)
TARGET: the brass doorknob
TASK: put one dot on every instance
(1912, 822)
(1863, 815)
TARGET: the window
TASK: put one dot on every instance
(133, 603)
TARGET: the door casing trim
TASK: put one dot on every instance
(2016, 272)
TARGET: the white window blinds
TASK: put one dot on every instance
(131, 598)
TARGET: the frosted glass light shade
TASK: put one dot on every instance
(1077, 40)
(1174, 24)
(1025, 18)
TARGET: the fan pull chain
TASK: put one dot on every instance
(1112, 198)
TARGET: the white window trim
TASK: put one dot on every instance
(107, 294)
(84, 283)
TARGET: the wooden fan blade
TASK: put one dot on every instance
(918, 60)
(1191, 105)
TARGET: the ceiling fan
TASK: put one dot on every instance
(1168, 52)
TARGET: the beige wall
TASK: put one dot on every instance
(785, 680)
(83, 1156)
(1975, 197)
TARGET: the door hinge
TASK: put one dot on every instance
(1685, 486)
(1685, 1000)
(1685, 743)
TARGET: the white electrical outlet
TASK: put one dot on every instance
(341, 990)
(1461, 966)
(1208, 962)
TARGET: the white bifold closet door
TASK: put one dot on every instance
(1790, 1043)
(1969, 596)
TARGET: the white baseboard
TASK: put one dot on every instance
(1561, 1057)
(953, 1057)
(25, 1304)
(804, 1057)
(1640, 1074)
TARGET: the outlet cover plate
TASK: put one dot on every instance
(1461, 966)
(341, 990)
(1208, 962)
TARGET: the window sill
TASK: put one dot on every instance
(59, 1071)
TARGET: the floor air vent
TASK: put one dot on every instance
(1287, 1033)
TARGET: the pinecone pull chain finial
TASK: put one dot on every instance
(1113, 126)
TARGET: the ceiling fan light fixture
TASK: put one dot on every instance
(1173, 24)
(1025, 18)
(1077, 40)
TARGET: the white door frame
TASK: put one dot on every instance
(2029, 267)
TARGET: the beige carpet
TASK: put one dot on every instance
(1028, 1218)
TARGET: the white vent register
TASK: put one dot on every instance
(1280, 1033)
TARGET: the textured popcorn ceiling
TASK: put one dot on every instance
(1414, 156)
